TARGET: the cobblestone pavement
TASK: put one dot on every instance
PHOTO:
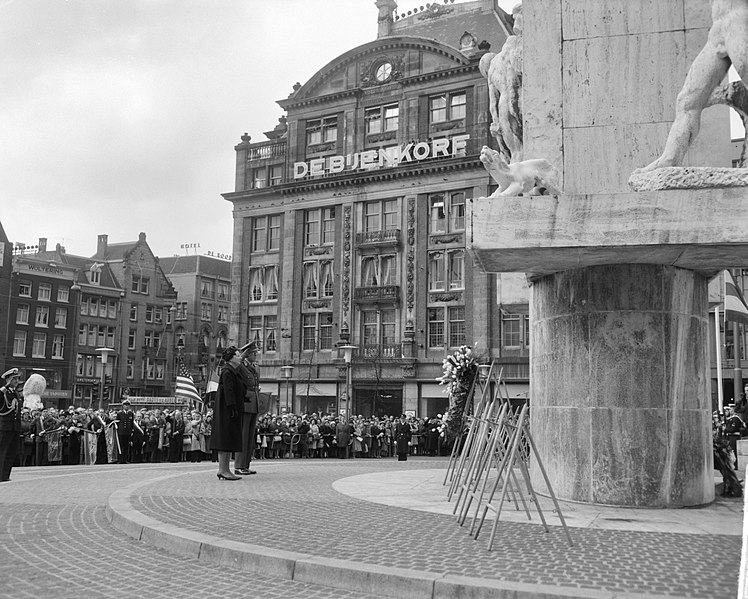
(56, 541)
(291, 505)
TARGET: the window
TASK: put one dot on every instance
(24, 288)
(381, 216)
(256, 283)
(95, 274)
(158, 315)
(84, 307)
(100, 336)
(22, 314)
(328, 226)
(58, 346)
(511, 330)
(316, 327)
(82, 334)
(19, 343)
(319, 226)
(181, 313)
(381, 118)
(446, 265)
(111, 309)
(206, 311)
(311, 279)
(266, 233)
(274, 227)
(102, 308)
(131, 339)
(221, 342)
(134, 312)
(276, 174)
(378, 333)
(378, 270)
(110, 337)
(328, 279)
(271, 333)
(63, 294)
(45, 292)
(80, 365)
(206, 289)
(259, 234)
(447, 212)
(140, 284)
(223, 313)
(311, 227)
(271, 283)
(255, 329)
(61, 318)
(149, 313)
(223, 294)
(38, 346)
(259, 178)
(92, 335)
(130, 369)
(447, 107)
(320, 131)
(42, 316)
(456, 326)
(452, 332)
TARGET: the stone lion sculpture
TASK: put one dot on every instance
(32, 391)
(529, 177)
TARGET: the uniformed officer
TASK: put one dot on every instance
(250, 373)
(10, 422)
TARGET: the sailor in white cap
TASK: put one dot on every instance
(10, 422)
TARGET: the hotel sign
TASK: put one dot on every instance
(442, 147)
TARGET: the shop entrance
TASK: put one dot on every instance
(369, 401)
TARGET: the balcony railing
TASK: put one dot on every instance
(379, 350)
(386, 237)
(267, 150)
(382, 293)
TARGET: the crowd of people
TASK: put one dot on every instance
(84, 435)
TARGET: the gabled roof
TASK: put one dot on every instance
(194, 264)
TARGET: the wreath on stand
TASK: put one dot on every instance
(460, 370)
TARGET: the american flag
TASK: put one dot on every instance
(186, 386)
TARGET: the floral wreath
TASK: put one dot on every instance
(460, 370)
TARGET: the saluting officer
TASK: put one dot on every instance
(10, 422)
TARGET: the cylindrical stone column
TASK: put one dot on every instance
(619, 371)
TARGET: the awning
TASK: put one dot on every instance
(317, 389)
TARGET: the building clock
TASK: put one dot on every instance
(383, 72)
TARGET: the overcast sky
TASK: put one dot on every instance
(120, 116)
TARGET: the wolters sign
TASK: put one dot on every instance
(442, 147)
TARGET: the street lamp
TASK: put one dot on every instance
(347, 356)
(104, 351)
(286, 372)
(483, 370)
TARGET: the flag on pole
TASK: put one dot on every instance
(212, 386)
(736, 310)
(186, 386)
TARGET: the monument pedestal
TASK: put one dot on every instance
(619, 356)
(620, 405)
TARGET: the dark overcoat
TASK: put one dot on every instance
(227, 431)
(402, 436)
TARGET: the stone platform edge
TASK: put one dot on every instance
(328, 572)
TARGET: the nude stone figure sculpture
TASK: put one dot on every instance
(504, 74)
(727, 44)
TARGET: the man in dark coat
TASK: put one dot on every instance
(226, 435)
(402, 439)
(250, 374)
(125, 426)
(10, 422)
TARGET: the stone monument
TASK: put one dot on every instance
(619, 362)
